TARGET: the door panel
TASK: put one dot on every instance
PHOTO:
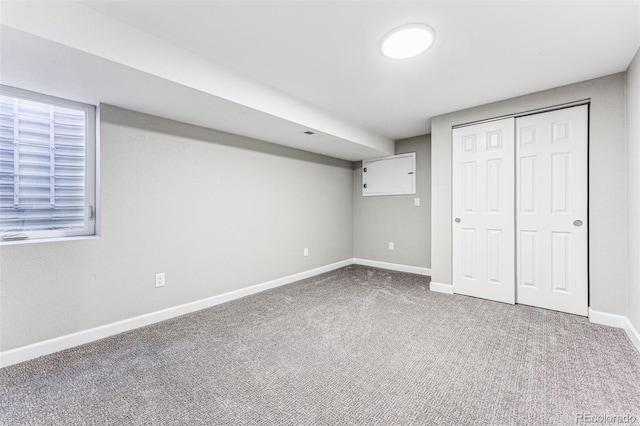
(469, 254)
(551, 177)
(527, 187)
(483, 201)
(527, 265)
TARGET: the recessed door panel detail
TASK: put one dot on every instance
(469, 192)
(560, 182)
(494, 184)
(560, 261)
(528, 258)
(527, 136)
(493, 256)
(469, 144)
(469, 251)
(561, 132)
(494, 140)
(527, 184)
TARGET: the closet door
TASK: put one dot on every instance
(483, 209)
(551, 210)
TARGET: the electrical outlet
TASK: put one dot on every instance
(392, 246)
(416, 202)
(305, 252)
(160, 280)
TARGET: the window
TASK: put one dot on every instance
(47, 166)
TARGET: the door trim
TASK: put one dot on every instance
(525, 113)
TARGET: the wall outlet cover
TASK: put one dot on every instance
(160, 279)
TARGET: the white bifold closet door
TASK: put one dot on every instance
(520, 210)
(551, 210)
(483, 205)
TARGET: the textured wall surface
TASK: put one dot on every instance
(383, 219)
(607, 182)
(216, 212)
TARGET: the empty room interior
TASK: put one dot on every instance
(319, 212)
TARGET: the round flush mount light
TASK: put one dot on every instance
(407, 41)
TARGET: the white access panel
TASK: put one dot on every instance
(551, 210)
(483, 210)
(394, 175)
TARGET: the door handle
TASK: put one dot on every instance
(457, 220)
(577, 223)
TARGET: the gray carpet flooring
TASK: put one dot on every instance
(355, 346)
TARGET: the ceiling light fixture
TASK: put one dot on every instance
(407, 41)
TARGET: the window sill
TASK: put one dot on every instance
(49, 240)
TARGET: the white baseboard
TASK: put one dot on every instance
(617, 321)
(393, 266)
(50, 346)
(604, 318)
(633, 334)
(441, 288)
(46, 347)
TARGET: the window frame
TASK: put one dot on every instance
(91, 211)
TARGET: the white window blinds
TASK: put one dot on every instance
(45, 185)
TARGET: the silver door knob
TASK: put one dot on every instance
(457, 220)
(577, 222)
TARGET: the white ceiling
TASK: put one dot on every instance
(324, 55)
(327, 52)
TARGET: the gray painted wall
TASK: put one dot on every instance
(214, 211)
(384, 219)
(633, 190)
(607, 176)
